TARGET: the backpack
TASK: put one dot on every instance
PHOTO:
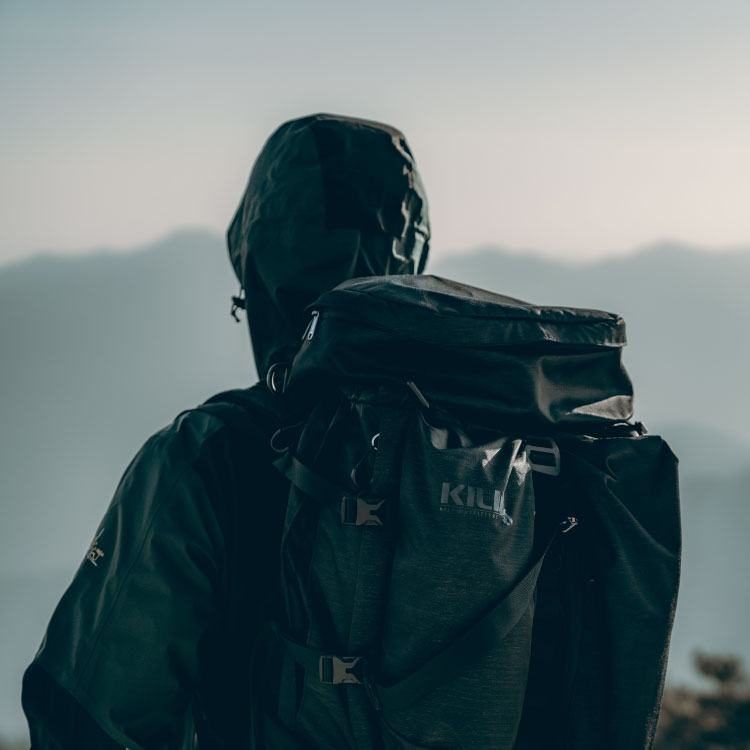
(480, 550)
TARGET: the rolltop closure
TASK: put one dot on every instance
(449, 337)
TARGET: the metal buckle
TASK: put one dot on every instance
(356, 511)
(338, 670)
(537, 445)
(277, 376)
(568, 524)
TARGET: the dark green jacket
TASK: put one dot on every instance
(164, 610)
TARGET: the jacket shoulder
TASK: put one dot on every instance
(254, 409)
(247, 413)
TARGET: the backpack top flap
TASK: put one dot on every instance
(491, 357)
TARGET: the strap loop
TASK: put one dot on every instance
(307, 480)
(543, 455)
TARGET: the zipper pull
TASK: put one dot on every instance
(311, 326)
(569, 524)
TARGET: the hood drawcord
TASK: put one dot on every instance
(238, 303)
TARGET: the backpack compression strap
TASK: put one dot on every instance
(357, 508)
(487, 632)
(445, 666)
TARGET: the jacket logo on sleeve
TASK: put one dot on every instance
(468, 500)
(95, 552)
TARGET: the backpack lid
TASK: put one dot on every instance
(430, 308)
(470, 348)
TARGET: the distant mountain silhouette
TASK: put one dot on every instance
(99, 351)
(713, 611)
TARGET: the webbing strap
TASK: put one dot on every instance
(455, 658)
(355, 511)
(323, 490)
(273, 735)
(307, 480)
(306, 657)
(383, 474)
(330, 668)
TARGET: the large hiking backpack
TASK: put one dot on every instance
(480, 550)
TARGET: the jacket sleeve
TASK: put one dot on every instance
(120, 660)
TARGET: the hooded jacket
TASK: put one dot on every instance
(329, 199)
(181, 574)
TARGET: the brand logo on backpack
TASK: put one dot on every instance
(467, 500)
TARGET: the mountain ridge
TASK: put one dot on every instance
(656, 247)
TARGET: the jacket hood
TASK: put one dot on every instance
(329, 198)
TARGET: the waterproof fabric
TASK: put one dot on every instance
(330, 198)
(423, 506)
(163, 612)
(612, 584)
(160, 614)
(500, 358)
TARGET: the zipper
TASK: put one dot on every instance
(311, 326)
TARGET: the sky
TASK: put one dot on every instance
(578, 129)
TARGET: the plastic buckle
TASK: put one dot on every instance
(546, 447)
(338, 670)
(356, 511)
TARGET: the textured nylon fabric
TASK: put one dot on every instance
(330, 572)
(597, 656)
(583, 667)
(460, 549)
(399, 593)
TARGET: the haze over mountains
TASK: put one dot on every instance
(99, 351)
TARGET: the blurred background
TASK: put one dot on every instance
(581, 153)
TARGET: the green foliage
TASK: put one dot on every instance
(717, 718)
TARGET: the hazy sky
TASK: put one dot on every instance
(578, 128)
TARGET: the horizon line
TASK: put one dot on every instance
(488, 247)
